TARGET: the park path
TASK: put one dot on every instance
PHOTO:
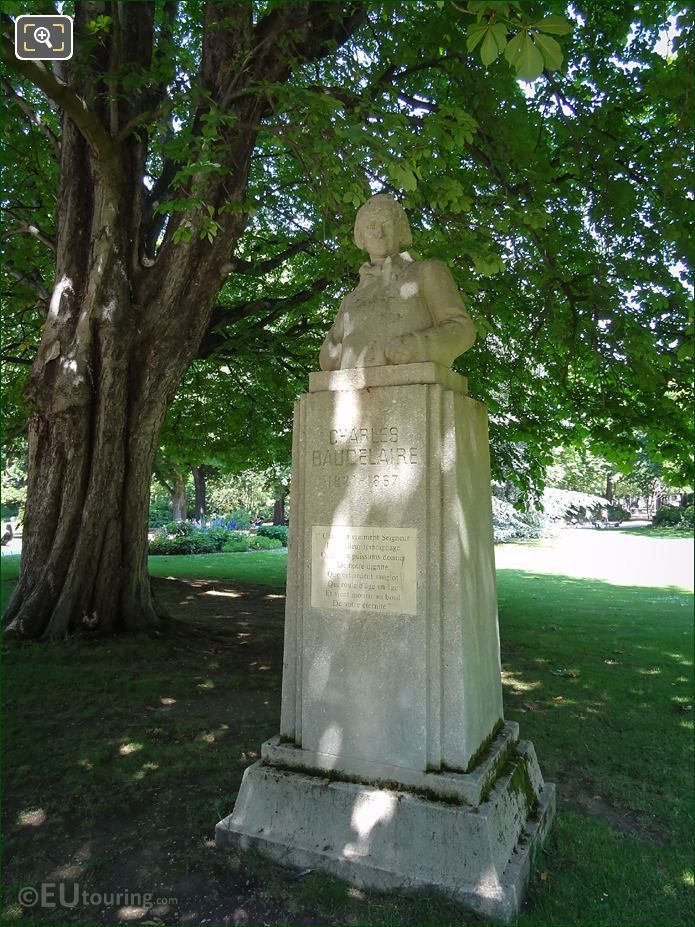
(614, 556)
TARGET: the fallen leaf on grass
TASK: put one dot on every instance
(568, 674)
(533, 706)
(611, 663)
(544, 876)
(558, 698)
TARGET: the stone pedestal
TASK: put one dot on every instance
(393, 767)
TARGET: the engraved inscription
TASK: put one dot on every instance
(343, 480)
(375, 447)
(364, 569)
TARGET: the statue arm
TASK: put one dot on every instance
(452, 331)
(332, 348)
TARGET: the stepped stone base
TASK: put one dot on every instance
(391, 838)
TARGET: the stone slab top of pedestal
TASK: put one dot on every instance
(391, 375)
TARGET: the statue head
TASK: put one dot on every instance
(382, 228)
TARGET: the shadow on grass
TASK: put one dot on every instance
(601, 678)
(121, 755)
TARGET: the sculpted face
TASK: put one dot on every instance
(381, 228)
(379, 236)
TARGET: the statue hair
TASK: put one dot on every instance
(381, 203)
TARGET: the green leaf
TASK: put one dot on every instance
(513, 48)
(528, 64)
(476, 32)
(489, 50)
(494, 38)
(404, 176)
(555, 24)
(488, 264)
(551, 51)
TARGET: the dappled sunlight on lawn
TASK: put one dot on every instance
(614, 557)
(33, 818)
(518, 686)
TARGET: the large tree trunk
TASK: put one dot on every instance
(92, 436)
(124, 325)
(200, 483)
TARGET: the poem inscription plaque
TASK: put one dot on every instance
(364, 569)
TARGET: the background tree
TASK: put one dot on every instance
(258, 128)
(579, 469)
(14, 486)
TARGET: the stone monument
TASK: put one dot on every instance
(394, 768)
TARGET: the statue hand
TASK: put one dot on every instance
(401, 350)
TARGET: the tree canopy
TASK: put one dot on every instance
(560, 204)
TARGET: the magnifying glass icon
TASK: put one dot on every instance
(42, 35)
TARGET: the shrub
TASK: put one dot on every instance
(179, 545)
(510, 524)
(160, 514)
(217, 534)
(239, 519)
(180, 528)
(667, 515)
(200, 542)
(688, 518)
(258, 542)
(235, 546)
(279, 532)
(237, 536)
(618, 513)
(160, 545)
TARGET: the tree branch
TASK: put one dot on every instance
(32, 116)
(138, 120)
(306, 29)
(33, 282)
(70, 102)
(25, 361)
(274, 308)
(257, 269)
(26, 229)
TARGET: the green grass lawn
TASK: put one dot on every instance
(264, 568)
(651, 531)
(599, 677)
(128, 751)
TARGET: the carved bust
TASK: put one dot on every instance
(402, 311)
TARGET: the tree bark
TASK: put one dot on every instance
(179, 503)
(200, 482)
(121, 331)
(279, 511)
